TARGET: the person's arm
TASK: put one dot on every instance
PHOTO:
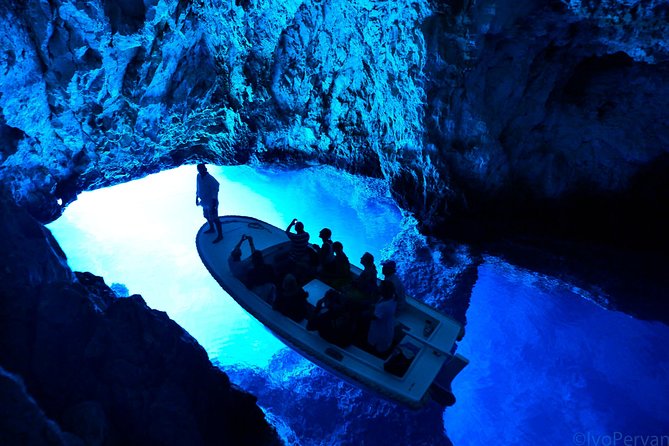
(197, 190)
(234, 259)
(319, 305)
(253, 247)
(236, 253)
(239, 243)
(290, 226)
(400, 291)
(214, 201)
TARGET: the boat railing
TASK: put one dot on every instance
(427, 343)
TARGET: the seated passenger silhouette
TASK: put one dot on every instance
(291, 300)
(382, 325)
(261, 278)
(338, 272)
(366, 281)
(324, 252)
(299, 240)
(389, 271)
(298, 260)
(332, 320)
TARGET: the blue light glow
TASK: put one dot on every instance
(546, 364)
(142, 234)
(549, 365)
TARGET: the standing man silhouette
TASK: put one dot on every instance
(207, 197)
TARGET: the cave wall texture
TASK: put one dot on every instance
(541, 121)
(487, 118)
(524, 128)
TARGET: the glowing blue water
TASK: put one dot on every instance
(547, 366)
(550, 367)
(142, 234)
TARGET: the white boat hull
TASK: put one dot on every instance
(352, 363)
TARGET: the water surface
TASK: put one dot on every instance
(547, 365)
(142, 234)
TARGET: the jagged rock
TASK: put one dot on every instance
(21, 419)
(88, 421)
(109, 370)
(525, 106)
(125, 16)
(9, 137)
(532, 126)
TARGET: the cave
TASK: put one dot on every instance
(534, 134)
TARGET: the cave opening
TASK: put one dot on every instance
(140, 236)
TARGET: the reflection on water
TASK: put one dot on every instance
(546, 364)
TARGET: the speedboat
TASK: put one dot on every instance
(422, 363)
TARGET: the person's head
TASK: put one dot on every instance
(388, 268)
(257, 258)
(325, 234)
(202, 169)
(367, 259)
(299, 227)
(338, 247)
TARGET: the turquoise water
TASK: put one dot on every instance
(550, 367)
(547, 365)
(142, 234)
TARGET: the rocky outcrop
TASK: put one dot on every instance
(545, 121)
(102, 369)
(546, 124)
(21, 419)
(222, 82)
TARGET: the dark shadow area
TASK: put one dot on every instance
(125, 16)
(613, 244)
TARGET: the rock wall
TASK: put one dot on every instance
(81, 366)
(473, 111)
(549, 117)
(546, 126)
(484, 111)
(22, 421)
(95, 97)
